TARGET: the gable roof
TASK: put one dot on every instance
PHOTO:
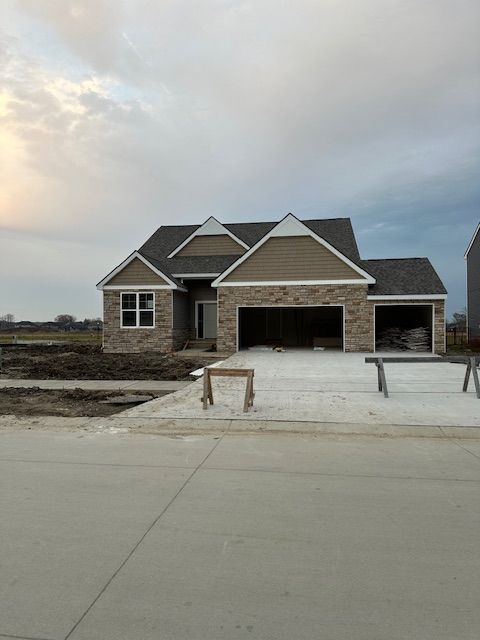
(211, 227)
(292, 226)
(474, 237)
(154, 265)
(394, 277)
(403, 277)
(336, 231)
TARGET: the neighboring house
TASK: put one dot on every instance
(295, 282)
(472, 256)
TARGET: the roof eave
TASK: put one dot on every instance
(474, 237)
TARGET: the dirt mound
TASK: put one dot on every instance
(88, 362)
(34, 401)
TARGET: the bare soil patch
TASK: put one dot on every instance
(88, 362)
(71, 403)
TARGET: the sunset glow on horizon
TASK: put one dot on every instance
(117, 117)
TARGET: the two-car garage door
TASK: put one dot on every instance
(398, 327)
(291, 326)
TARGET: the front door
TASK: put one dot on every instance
(207, 320)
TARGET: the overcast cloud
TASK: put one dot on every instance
(118, 116)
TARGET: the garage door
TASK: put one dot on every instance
(291, 326)
(404, 327)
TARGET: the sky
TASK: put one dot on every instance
(118, 116)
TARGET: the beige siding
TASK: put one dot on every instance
(292, 258)
(221, 245)
(136, 273)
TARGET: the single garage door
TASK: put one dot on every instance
(291, 326)
(407, 327)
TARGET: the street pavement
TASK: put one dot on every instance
(274, 536)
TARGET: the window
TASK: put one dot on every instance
(138, 310)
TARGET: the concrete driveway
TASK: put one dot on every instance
(329, 387)
(116, 537)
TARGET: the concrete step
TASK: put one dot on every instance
(198, 342)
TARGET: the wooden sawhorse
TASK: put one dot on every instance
(237, 373)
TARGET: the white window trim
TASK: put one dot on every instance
(209, 228)
(292, 226)
(137, 310)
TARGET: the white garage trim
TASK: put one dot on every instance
(288, 306)
(403, 304)
(434, 296)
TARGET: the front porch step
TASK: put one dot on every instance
(198, 354)
(200, 343)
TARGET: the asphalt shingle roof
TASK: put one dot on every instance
(336, 231)
(394, 276)
(403, 276)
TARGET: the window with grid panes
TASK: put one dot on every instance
(138, 309)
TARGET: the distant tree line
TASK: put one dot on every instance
(62, 322)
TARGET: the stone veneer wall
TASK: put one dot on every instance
(118, 340)
(439, 319)
(359, 312)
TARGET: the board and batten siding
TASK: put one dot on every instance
(135, 273)
(221, 245)
(292, 258)
(181, 310)
(473, 290)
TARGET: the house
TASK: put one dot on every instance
(296, 282)
(472, 257)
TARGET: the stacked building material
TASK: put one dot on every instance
(398, 339)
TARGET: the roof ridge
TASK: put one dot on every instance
(300, 219)
(178, 226)
(182, 226)
(391, 259)
(322, 219)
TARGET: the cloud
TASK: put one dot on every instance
(118, 116)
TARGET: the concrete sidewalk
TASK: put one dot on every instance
(98, 385)
(126, 537)
(186, 427)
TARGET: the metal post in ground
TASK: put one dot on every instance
(473, 362)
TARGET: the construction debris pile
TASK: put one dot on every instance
(398, 339)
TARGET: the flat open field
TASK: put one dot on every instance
(86, 337)
(88, 362)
